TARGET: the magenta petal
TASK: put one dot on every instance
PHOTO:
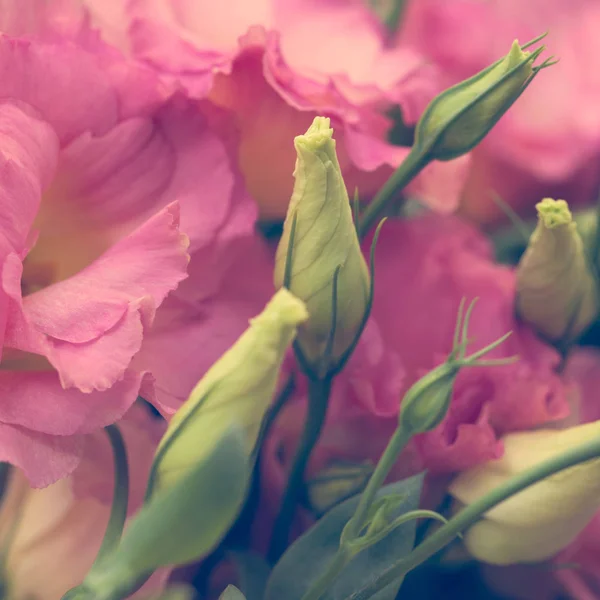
(28, 157)
(37, 401)
(43, 458)
(118, 294)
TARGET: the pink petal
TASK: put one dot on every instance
(28, 160)
(43, 458)
(207, 313)
(93, 322)
(95, 475)
(36, 401)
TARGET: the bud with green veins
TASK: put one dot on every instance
(460, 117)
(319, 257)
(238, 387)
(556, 289)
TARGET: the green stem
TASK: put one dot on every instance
(397, 443)
(473, 512)
(323, 583)
(402, 176)
(118, 512)
(318, 399)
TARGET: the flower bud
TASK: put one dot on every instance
(324, 239)
(238, 387)
(458, 119)
(539, 521)
(426, 403)
(556, 291)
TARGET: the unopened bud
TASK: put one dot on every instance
(458, 119)
(324, 242)
(237, 388)
(426, 403)
(541, 520)
(556, 290)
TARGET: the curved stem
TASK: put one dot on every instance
(403, 175)
(318, 397)
(118, 512)
(397, 443)
(472, 513)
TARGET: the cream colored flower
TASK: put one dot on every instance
(541, 520)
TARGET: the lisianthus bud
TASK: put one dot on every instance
(238, 387)
(457, 120)
(539, 521)
(426, 402)
(324, 239)
(556, 291)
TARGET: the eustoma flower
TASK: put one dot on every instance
(99, 165)
(264, 62)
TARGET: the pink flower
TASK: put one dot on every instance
(58, 530)
(276, 64)
(549, 141)
(98, 165)
(424, 267)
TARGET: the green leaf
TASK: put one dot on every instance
(181, 523)
(232, 593)
(310, 555)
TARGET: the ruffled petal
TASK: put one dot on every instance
(43, 458)
(92, 323)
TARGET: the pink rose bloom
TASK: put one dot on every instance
(58, 530)
(276, 64)
(98, 167)
(548, 144)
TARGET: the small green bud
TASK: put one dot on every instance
(426, 403)
(324, 240)
(238, 387)
(556, 290)
(458, 119)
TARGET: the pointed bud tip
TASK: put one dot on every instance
(317, 135)
(289, 309)
(516, 54)
(553, 213)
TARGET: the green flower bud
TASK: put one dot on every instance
(458, 119)
(556, 290)
(427, 401)
(238, 387)
(324, 240)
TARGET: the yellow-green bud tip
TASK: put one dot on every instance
(317, 135)
(285, 308)
(553, 213)
(516, 55)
